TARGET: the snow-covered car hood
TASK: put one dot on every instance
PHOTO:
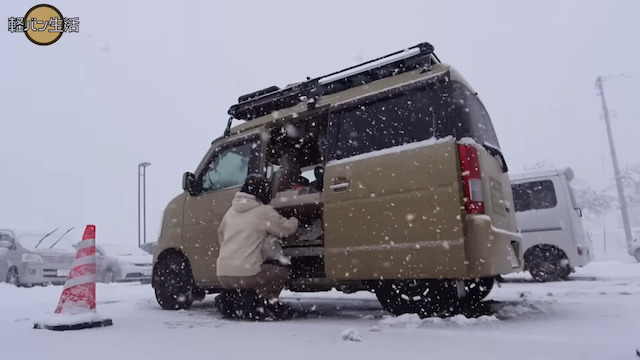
(135, 259)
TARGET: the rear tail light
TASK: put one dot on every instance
(579, 251)
(472, 179)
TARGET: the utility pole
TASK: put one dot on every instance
(143, 166)
(616, 169)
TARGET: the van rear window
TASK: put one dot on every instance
(449, 109)
(534, 195)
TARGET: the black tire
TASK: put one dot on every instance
(478, 289)
(637, 255)
(109, 276)
(13, 277)
(547, 264)
(173, 282)
(423, 297)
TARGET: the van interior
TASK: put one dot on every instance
(295, 159)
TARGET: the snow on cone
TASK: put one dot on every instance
(77, 306)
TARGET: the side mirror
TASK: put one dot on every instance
(189, 183)
(579, 211)
(5, 244)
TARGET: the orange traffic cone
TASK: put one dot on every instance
(77, 306)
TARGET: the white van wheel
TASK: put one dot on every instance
(637, 254)
(547, 263)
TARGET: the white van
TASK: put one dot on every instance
(550, 221)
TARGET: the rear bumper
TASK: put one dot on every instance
(490, 251)
(43, 273)
(581, 257)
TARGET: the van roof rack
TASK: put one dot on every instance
(265, 101)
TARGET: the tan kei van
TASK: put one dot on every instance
(394, 170)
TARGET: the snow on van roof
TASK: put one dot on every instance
(567, 172)
(393, 149)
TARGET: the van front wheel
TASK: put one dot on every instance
(173, 282)
(423, 297)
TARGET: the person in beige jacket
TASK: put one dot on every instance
(245, 245)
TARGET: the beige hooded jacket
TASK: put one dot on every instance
(242, 233)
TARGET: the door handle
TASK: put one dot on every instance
(339, 186)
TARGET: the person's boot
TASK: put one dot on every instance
(225, 303)
(278, 310)
(249, 306)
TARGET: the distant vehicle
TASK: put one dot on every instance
(615, 242)
(122, 263)
(29, 258)
(634, 249)
(635, 246)
(149, 247)
(550, 221)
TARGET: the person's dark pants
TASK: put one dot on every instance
(268, 283)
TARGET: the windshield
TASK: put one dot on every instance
(29, 241)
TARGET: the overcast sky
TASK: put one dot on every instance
(152, 81)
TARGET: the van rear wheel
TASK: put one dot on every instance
(423, 297)
(173, 282)
(478, 289)
(637, 255)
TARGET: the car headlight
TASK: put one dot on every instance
(32, 258)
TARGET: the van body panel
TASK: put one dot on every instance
(171, 226)
(491, 250)
(498, 198)
(202, 217)
(196, 232)
(400, 214)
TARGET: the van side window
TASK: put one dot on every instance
(379, 124)
(394, 119)
(231, 165)
(535, 195)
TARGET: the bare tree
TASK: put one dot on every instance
(630, 176)
(594, 202)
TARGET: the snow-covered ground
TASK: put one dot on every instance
(594, 316)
